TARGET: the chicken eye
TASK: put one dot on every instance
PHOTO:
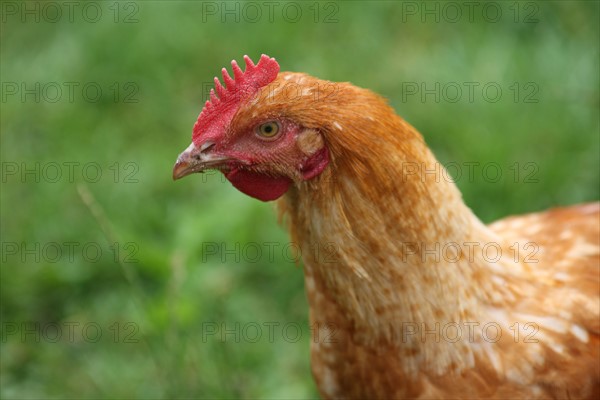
(268, 129)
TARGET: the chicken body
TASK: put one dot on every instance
(501, 329)
(413, 296)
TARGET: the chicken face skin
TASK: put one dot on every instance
(260, 164)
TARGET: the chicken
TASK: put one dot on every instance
(413, 296)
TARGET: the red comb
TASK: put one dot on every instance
(218, 111)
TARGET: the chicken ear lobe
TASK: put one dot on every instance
(315, 164)
(311, 143)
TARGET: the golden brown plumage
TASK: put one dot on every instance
(415, 296)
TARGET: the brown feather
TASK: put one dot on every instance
(373, 282)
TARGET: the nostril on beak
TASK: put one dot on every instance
(206, 146)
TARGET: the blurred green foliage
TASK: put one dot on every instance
(157, 307)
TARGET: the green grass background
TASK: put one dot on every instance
(173, 288)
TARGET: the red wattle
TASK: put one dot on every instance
(260, 186)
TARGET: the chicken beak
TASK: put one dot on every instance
(182, 168)
(194, 159)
